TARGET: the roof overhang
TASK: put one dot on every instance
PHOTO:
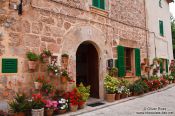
(169, 1)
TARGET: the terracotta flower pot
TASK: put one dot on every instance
(62, 111)
(73, 108)
(19, 114)
(46, 59)
(51, 73)
(65, 62)
(117, 96)
(63, 79)
(49, 112)
(38, 85)
(32, 65)
(110, 97)
(123, 95)
(81, 106)
(38, 112)
(135, 94)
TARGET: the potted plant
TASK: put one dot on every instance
(53, 70)
(145, 60)
(62, 105)
(64, 60)
(118, 93)
(125, 92)
(74, 96)
(113, 72)
(64, 76)
(19, 105)
(129, 73)
(50, 106)
(39, 82)
(47, 88)
(84, 95)
(38, 104)
(110, 87)
(44, 56)
(32, 57)
(137, 89)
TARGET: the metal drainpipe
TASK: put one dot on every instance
(147, 31)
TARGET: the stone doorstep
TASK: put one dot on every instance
(107, 104)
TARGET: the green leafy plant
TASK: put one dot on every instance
(19, 104)
(32, 56)
(47, 88)
(113, 72)
(45, 54)
(84, 92)
(65, 55)
(64, 73)
(111, 84)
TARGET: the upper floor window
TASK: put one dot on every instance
(99, 4)
(160, 3)
(161, 29)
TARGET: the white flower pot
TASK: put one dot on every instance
(38, 85)
(38, 112)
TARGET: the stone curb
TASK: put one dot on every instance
(107, 104)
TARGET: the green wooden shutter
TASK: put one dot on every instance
(9, 65)
(102, 4)
(137, 62)
(161, 67)
(161, 28)
(95, 3)
(121, 61)
(167, 62)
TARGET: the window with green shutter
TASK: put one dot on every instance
(137, 62)
(121, 62)
(9, 65)
(161, 66)
(99, 4)
(161, 28)
(167, 62)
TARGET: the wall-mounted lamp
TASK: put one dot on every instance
(16, 6)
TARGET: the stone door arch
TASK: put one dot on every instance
(80, 34)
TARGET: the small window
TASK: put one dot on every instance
(161, 28)
(160, 3)
(99, 4)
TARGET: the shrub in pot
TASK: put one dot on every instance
(118, 93)
(125, 92)
(19, 105)
(137, 88)
(62, 105)
(44, 56)
(50, 106)
(110, 87)
(32, 57)
(113, 72)
(38, 104)
(53, 69)
(64, 76)
(74, 96)
(39, 82)
(84, 95)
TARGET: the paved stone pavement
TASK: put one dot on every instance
(162, 103)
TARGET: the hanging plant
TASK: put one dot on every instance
(44, 56)
(32, 57)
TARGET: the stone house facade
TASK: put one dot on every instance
(77, 28)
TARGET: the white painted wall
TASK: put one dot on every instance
(163, 44)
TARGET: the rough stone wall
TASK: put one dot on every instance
(44, 24)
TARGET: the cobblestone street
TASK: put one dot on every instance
(161, 103)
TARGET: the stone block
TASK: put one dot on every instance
(47, 39)
(53, 47)
(31, 40)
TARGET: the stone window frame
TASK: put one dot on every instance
(103, 12)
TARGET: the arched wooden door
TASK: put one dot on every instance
(87, 67)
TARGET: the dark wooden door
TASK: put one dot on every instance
(87, 65)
